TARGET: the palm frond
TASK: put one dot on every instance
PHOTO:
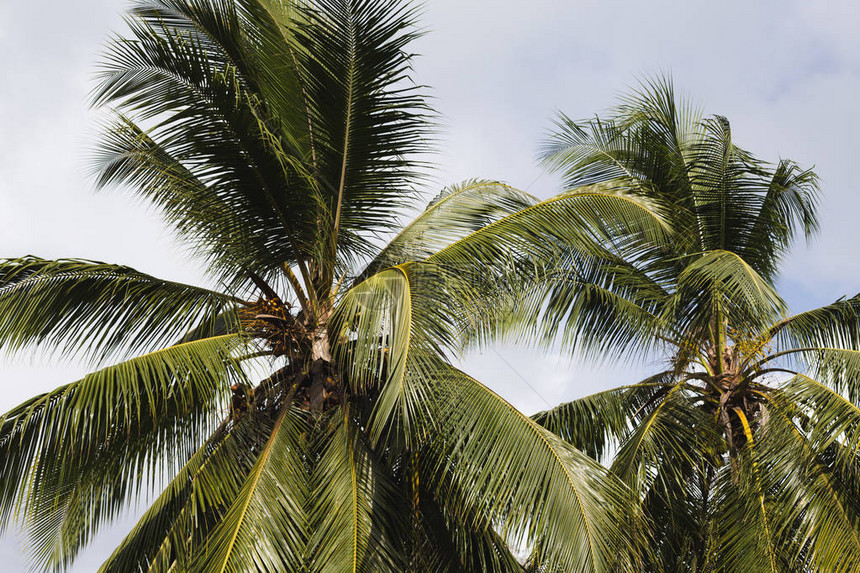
(358, 513)
(380, 347)
(645, 146)
(825, 517)
(191, 73)
(662, 441)
(367, 118)
(599, 308)
(836, 325)
(721, 279)
(457, 211)
(73, 457)
(829, 417)
(180, 521)
(265, 525)
(677, 516)
(596, 424)
(729, 191)
(455, 538)
(99, 310)
(229, 229)
(720, 197)
(749, 521)
(788, 207)
(543, 490)
(839, 368)
(489, 275)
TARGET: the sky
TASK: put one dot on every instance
(786, 74)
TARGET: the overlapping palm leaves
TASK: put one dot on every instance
(278, 139)
(744, 451)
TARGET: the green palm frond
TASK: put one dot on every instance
(722, 280)
(72, 457)
(727, 187)
(588, 220)
(676, 513)
(645, 144)
(596, 424)
(367, 119)
(97, 310)
(157, 538)
(230, 230)
(380, 347)
(229, 104)
(560, 500)
(265, 523)
(596, 307)
(662, 440)
(836, 325)
(454, 537)
(358, 512)
(493, 276)
(587, 153)
(829, 418)
(837, 367)
(749, 523)
(789, 205)
(825, 515)
(457, 211)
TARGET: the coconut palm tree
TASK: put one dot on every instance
(743, 448)
(303, 415)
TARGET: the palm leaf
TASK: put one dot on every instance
(195, 66)
(837, 367)
(99, 310)
(597, 423)
(599, 308)
(750, 518)
(74, 456)
(789, 206)
(265, 524)
(456, 538)
(662, 440)
(835, 325)
(489, 274)
(561, 501)
(191, 506)
(457, 211)
(357, 512)
(365, 116)
(829, 417)
(721, 279)
(825, 517)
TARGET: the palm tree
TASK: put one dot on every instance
(743, 449)
(304, 415)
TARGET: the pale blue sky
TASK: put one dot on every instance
(787, 74)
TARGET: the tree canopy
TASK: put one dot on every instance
(743, 450)
(305, 415)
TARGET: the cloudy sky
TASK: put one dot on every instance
(787, 74)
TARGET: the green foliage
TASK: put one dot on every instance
(308, 417)
(743, 454)
(72, 457)
(96, 310)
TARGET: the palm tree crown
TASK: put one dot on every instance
(305, 415)
(743, 450)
